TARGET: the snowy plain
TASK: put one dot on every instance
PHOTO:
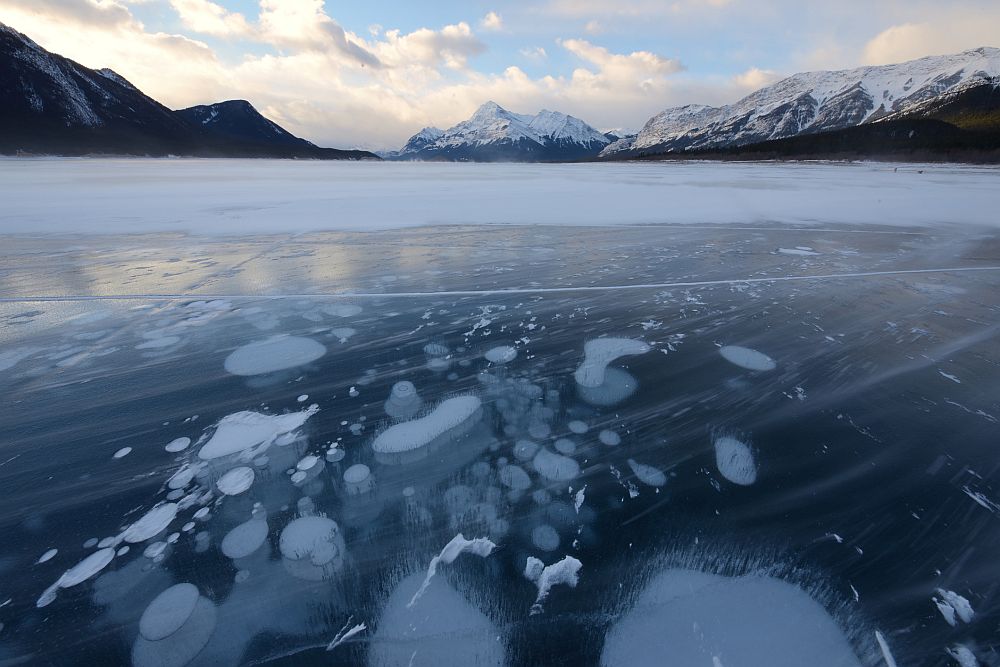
(115, 196)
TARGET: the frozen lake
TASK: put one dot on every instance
(250, 408)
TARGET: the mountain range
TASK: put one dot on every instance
(494, 134)
(937, 107)
(812, 102)
(52, 105)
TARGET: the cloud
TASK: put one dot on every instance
(536, 53)
(211, 19)
(491, 21)
(451, 46)
(593, 27)
(948, 33)
(756, 78)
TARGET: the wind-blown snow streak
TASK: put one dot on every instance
(479, 546)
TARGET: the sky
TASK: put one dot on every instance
(371, 74)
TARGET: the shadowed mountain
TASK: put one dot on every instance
(52, 105)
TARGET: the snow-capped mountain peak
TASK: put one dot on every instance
(493, 132)
(812, 102)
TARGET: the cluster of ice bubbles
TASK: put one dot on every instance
(504, 463)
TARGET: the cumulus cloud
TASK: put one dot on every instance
(948, 33)
(755, 78)
(491, 21)
(535, 53)
(211, 19)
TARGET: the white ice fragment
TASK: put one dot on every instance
(951, 605)
(47, 556)
(746, 358)
(545, 577)
(168, 611)
(801, 251)
(555, 467)
(417, 433)
(248, 430)
(152, 523)
(345, 634)
(343, 334)
(502, 354)
(178, 445)
(122, 453)
(735, 461)
(273, 354)
(883, 646)
(609, 438)
(236, 481)
(579, 498)
(245, 538)
(963, 656)
(949, 376)
(458, 545)
(600, 352)
(342, 309)
(648, 475)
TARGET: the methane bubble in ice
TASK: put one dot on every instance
(179, 623)
(152, 523)
(312, 548)
(514, 478)
(236, 481)
(600, 352)
(618, 385)
(245, 538)
(123, 452)
(525, 450)
(648, 475)
(47, 556)
(578, 427)
(744, 357)
(501, 354)
(565, 446)
(168, 612)
(735, 460)
(752, 620)
(273, 354)
(403, 401)
(402, 442)
(178, 445)
(545, 537)
(246, 430)
(555, 467)
(441, 629)
(609, 438)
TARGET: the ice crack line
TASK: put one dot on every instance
(490, 292)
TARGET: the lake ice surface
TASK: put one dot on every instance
(851, 487)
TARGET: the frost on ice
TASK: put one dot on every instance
(684, 617)
(246, 430)
(744, 357)
(273, 354)
(544, 577)
(458, 545)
